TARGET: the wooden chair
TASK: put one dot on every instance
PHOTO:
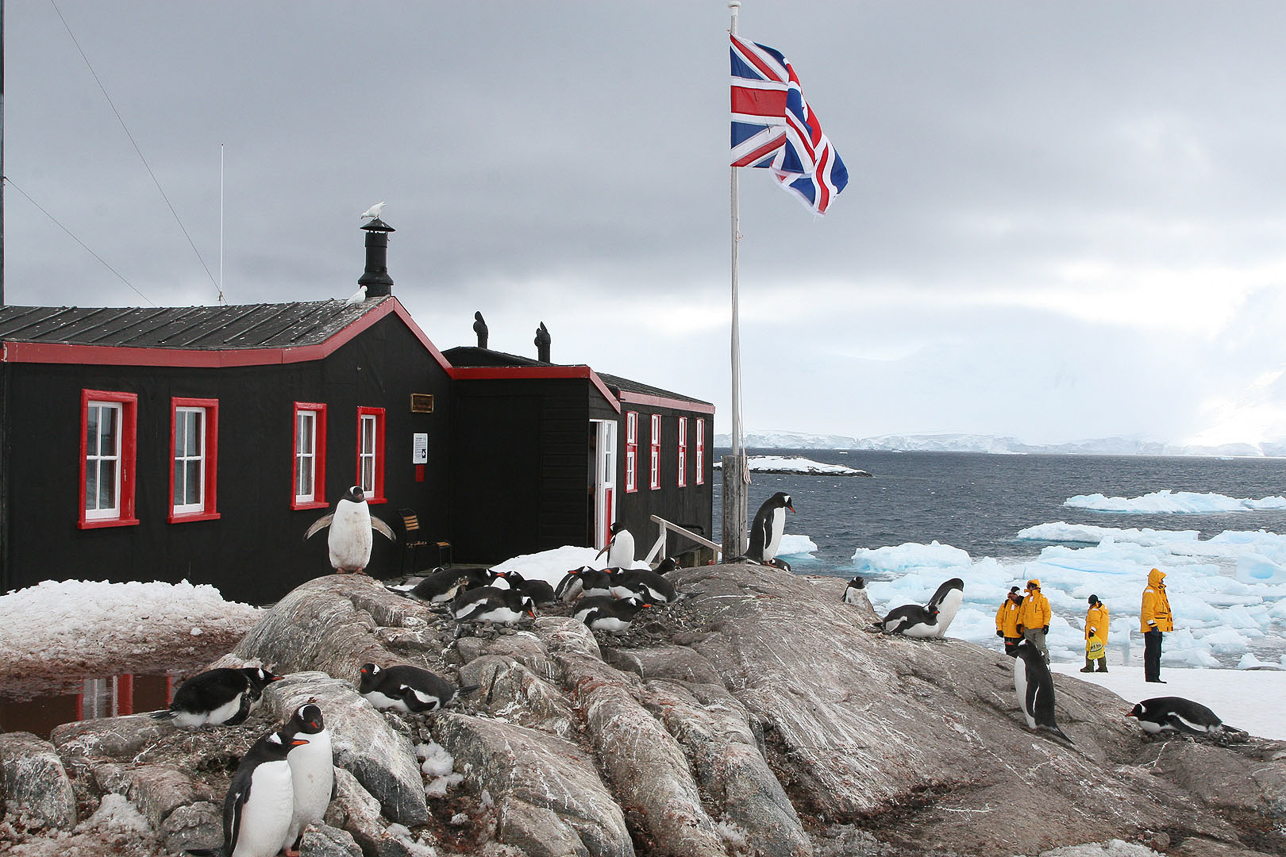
(413, 539)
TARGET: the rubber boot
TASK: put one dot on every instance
(1089, 665)
(1102, 665)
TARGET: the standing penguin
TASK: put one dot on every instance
(1176, 714)
(219, 697)
(261, 800)
(312, 771)
(855, 592)
(1034, 687)
(767, 529)
(350, 531)
(619, 548)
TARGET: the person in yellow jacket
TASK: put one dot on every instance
(1154, 620)
(1033, 617)
(1096, 621)
(1007, 621)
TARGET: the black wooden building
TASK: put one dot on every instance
(199, 443)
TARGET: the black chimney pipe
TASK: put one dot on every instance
(376, 279)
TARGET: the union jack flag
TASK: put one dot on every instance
(774, 128)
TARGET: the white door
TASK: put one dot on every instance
(604, 480)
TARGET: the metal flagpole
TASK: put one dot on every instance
(736, 473)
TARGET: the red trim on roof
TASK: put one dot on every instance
(526, 373)
(666, 402)
(111, 355)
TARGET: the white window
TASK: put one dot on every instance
(366, 457)
(683, 452)
(103, 434)
(189, 460)
(631, 451)
(310, 455)
(701, 451)
(656, 452)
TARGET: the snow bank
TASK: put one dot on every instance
(47, 621)
(1176, 503)
(795, 464)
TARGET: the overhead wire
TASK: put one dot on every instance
(60, 225)
(137, 149)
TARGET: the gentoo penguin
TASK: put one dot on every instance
(489, 604)
(1176, 714)
(406, 688)
(312, 771)
(1034, 687)
(619, 548)
(583, 581)
(261, 800)
(645, 583)
(930, 621)
(855, 592)
(604, 613)
(768, 526)
(443, 585)
(537, 590)
(350, 531)
(666, 565)
(221, 697)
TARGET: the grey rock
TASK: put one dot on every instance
(566, 635)
(325, 841)
(512, 692)
(537, 831)
(159, 790)
(527, 649)
(672, 662)
(193, 826)
(33, 781)
(362, 740)
(512, 762)
(356, 811)
(114, 737)
(646, 765)
(715, 730)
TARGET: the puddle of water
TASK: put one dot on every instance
(87, 699)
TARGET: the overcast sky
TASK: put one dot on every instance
(1065, 220)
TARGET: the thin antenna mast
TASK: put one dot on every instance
(220, 221)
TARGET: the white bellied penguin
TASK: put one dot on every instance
(403, 687)
(619, 548)
(350, 531)
(219, 697)
(767, 528)
(930, 621)
(1034, 688)
(261, 800)
(312, 771)
(1176, 714)
(605, 613)
(490, 604)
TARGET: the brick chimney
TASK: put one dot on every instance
(376, 279)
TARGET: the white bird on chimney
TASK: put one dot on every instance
(357, 297)
(373, 212)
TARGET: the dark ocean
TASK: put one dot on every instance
(979, 502)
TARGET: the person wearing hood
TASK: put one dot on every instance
(1007, 621)
(1096, 621)
(1033, 617)
(1155, 619)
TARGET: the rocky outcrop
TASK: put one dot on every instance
(33, 781)
(757, 716)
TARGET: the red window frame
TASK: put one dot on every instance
(126, 462)
(319, 457)
(376, 495)
(631, 452)
(701, 451)
(209, 511)
(683, 452)
(655, 463)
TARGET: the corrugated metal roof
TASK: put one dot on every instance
(472, 356)
(201, 328)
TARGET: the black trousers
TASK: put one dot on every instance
(1152, 655)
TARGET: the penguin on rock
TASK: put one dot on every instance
(539, 591)
(930, 621)
(490, 604)
(1034, 688)
(219, 697)
(583, 581)
(645, 583)
(619, 548)
(350, 537)
(443, 585)
(1176, 714)
(605, 613)
(855, 592)
(406, 688)
(261, 800)
(767, 529)
(312, 771)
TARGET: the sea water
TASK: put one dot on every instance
(1230, 606)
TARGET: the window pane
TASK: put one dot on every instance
(180, 433)
(107, 484)
(304, 434)
(192, 482)
(107, 431)
(304, 483)
(91, 485)
(91, 429)
(195, 432)
(178, 483)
